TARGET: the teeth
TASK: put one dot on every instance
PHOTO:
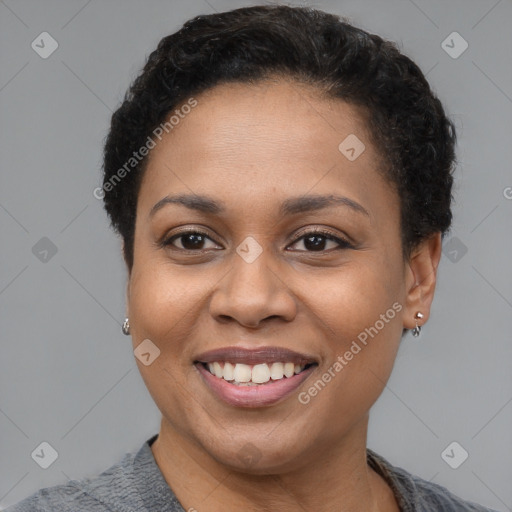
(289, 369)
(277, 371)
(229, 371)
(242, 373)
(217, 370)
(248, 375)
(260, 373)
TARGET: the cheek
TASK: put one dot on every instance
(353, 298)
(360, 310)
(163, 308)
(163, 302)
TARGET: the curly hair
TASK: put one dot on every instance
(406, 120)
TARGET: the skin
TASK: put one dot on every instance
(251, 147)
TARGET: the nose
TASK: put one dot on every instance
(252, 292)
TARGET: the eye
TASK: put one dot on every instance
(190, 240)
(316, 240)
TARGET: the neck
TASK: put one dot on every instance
(335, 478)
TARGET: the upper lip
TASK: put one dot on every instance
(255, 356)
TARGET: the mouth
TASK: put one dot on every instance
(254, 378)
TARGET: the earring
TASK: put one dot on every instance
(416, 331)
(126, 327)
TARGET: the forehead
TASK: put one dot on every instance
(275, 135)
(278, 111)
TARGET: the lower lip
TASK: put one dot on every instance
(253, 396)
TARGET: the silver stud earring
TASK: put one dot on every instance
(126, 327)
(416, 331)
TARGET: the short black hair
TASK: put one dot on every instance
(406, 120)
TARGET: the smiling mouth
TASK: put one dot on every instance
(254, 377)
(261, 374)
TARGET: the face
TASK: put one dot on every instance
(256, 270)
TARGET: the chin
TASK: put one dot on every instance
(258, 458)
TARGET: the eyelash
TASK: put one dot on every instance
(343, 243)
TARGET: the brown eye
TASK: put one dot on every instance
(189, 241)
(316, 241)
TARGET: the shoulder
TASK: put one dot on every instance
(60, 498)
(101, 493)
(418, 495)
(438, 497)
(431, 496)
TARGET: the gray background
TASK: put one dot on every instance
(67, 374)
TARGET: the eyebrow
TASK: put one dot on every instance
(291, 206)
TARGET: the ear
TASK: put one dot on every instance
(421, 275)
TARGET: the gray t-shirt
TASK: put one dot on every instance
(136, 484)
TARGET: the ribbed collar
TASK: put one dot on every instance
(157, 495)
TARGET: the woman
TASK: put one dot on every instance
(282, 182)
